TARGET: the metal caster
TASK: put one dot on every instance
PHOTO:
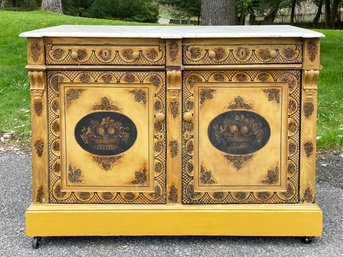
(307, 240)
(35, 242)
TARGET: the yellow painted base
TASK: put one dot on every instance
(138, 220)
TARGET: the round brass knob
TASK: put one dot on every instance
(273, 53)
(160, 116)
(135, 55)
(187, 116)
(211, 54)
(74, 55)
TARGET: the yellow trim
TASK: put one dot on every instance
(228, 220)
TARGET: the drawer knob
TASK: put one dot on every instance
(74, 55)
(211, 54)
(273, 53)
(160, 116)
(135, 55)
(187, 116)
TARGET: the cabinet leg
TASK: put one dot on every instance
(35, 242)
(307, 239)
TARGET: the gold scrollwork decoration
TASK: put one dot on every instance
(35, 50)
(173, 50)
(141, 176)
(40, 194)
(174, 148)
(105, 103)
(308, 148)
(106, 162)
(308, 196)
(273, 94)
(238, 161)
(205, 95)
(173, 194)
(73, 94)
(39, 146)
(139, 96)
(239, 103)
(312, 49)
(308, 109)
(272, 176)
(206, 176)
(74, 175)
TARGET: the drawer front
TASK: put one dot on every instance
(105, 143)
(110, 52)
(226, 52)
(241, 144)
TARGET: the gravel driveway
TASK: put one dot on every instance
(15, 190)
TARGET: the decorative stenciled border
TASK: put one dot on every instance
(56, 194)
(291, 195)
(208, 53)
(109, 54)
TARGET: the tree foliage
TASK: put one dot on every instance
(188, 8)
(136, 10)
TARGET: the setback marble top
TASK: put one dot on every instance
(173, 32)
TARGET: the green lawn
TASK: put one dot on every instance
(14, 86)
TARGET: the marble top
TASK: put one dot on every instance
(173, 32)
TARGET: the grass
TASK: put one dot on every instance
(14, 85)
(330, 91)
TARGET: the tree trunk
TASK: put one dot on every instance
(294, 3)
(319, 13)
(3, 4)
(218, 12)
(52, 6)
(327, 13)
(269, 19)
(252, 19)
(333, 13)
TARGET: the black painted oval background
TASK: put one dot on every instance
(239, 132)
(105, 133)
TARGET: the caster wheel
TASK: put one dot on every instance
(307, 240)
(35, 242)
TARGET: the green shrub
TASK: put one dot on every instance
(135, 10)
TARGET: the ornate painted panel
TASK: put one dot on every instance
(241, 143)
(105, 142)
(246, 51)
(105, 52)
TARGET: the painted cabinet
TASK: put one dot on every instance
(209, 123)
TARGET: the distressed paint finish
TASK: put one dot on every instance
(308, 135)
(39, 135)
(113, 63)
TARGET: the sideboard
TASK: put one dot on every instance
(182, 130)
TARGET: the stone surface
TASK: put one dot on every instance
(15, 193)
(170, 32)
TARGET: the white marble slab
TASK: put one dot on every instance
(173, 32)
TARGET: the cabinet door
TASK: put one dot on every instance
(105, 143)
(241, 145)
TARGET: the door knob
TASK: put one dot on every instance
(188, 116)
(160, 116)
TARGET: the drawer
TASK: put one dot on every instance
(105, 52)
(212, 52)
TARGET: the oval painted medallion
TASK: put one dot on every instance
(105, 133)
(239, 132)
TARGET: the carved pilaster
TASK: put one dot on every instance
(39, 135)
(174, 85)
(308, 136)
